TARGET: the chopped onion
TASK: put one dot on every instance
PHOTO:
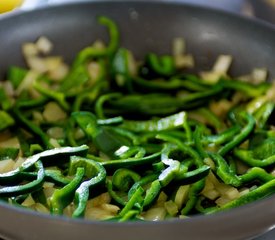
(44, 45)
(10, 143)
(220, 68)
(6, 165)
(56, 132)
(171, 208)
(29, 49)
(53, 112)
(28, 202)
(155, 214)
(37, 64)
(181, 195)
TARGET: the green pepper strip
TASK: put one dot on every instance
(120, 69)
(193, 193)
(246, 156)
(51, 175)
(201, 209)
(56, 177)
(163, 65)
(143, 181)
(198, 142)
(5, 101)
(224, 171)
(8, 153)
(61, 198)
(262, 191)
(26, 188)
(91, 52)
(172, 84)
(136, 201)
(59, 97)
(224, 136)
(256, 173)
(128, 134)
(131, 162)
(89, 95)
(130, 215)
(6, 120)
(247, 88)
(114, 195)
(127, 152)
(110, 121)
(123, 178)
(78, 74)
(192, 176)
(56, 153)
(239, 138)
(170, 172)
(186, 149)
(100, 102)
(161, 104)
(33, 128)
(31, 103)
(96, 174)
(103, 138)
(152, 193)
(170, 122)
(16, 75)
(263, 114)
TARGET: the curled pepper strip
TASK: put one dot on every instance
(224, 171)
(28, 187)
(130, 162)
(48, 155)
(96, 174)
(123, 178)
(185, 148)
(246, 156)
(51, 175)
(91, 52)
(61, 198)
(256, 173)
(239, 138)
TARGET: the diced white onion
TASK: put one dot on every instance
(181, 195)
(6, 165)
(54, 143)
(37, 64)
(155, 214)
(29, 49)
(28, 202)
(56, 132)
(10, 143)
(44, 45)
(53, 112)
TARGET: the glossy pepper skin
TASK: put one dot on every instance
(96, 174)
(148, 136)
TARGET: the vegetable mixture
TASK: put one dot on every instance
(112, 138)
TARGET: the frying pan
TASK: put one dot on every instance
(145, 26)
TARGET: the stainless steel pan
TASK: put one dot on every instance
(145, 26)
